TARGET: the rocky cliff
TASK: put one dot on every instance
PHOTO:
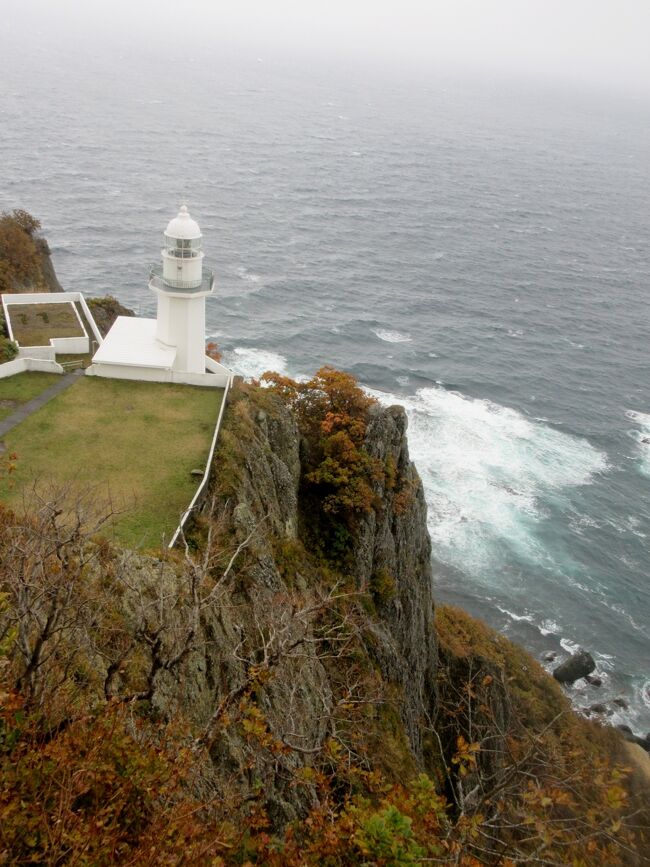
(331, 643)
(266, 695)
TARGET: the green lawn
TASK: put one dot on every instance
(22, 387)
(137, 442)
(35, 324)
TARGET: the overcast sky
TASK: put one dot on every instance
(588, 41)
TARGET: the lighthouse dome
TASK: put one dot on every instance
(183, 226)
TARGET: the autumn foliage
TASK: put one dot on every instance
(19, 258)
(332, 413)
(96, 770)
(213, 351)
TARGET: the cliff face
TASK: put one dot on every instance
(281, 606)
(394, 545)
(49, 281)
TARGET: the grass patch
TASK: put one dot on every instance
(135, 442)
(36, 324)
(22, 387)
(85, 358)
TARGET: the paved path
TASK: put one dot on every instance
(26, 409)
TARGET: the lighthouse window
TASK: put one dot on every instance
(183, 248)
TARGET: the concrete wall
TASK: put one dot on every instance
(126, 371)
(46, 352)
(216, 367)
(209, 380)
(21, 365)
(220, 379)
(71, 345)
(89, 318)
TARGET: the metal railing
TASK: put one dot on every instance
(157, 281)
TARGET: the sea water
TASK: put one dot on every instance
(477, 252)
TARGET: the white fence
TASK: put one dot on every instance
(20, 365)
(69, 345)
(47, 353)
(199, 496)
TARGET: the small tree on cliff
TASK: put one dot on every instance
(19, 263)
(332, 414)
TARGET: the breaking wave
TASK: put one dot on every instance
(486, 471)
(249, 362)
(391, 336)
(642, 437)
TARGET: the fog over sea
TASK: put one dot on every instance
(475, 251)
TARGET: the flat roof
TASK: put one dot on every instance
(132, 341)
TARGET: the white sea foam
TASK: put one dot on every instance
(528, 617)
(549, 627)
(391, 336)
(250, 363)
(248, 276)
(642, 437)
(644, 693)
(569, 646)
(486, 469)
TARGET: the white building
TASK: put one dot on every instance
(171, 347)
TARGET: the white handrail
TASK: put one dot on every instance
(206, 474)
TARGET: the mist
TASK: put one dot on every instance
(595, 43)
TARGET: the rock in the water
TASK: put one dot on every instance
(550, 656)
(620, 702)
(628, 735)
(578, 665)
(599, 708)
(594, 680)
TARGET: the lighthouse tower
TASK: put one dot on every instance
(182, 285)
(171, 347)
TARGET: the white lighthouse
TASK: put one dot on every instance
(170, 348)
(182, 285)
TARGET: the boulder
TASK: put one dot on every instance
(599, 708)
(578, 665)
(628, 735)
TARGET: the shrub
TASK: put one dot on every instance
(332, 413)
(8, 349)
(19, 256)
(382, 586)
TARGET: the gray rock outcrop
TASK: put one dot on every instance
(260, 492)
(578, 665)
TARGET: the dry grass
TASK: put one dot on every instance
(136, 443)
(36, 324)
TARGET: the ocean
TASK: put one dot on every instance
(474, 250)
